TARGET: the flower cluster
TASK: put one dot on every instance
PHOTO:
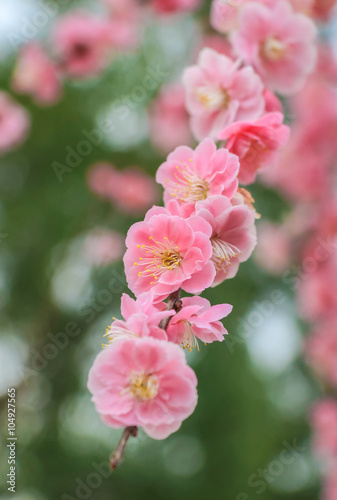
(206, 228)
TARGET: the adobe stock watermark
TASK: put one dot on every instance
(84, 487)
(39, 19)
(58, 342)
(259, 481)
(155, 75)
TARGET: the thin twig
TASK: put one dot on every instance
(116, 457)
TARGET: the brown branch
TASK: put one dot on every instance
(116, 457)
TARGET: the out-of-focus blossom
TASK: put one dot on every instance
(304, 165)
(198, 320)
(256, 143)
(143, 382)
(279, 43)
(215, 42)
(169, 120)
(190, 176)
(322, 9)
(14, 123)
(321, 351)
(35, 74)
(317, 295)
(141, 317)
(233, 236)
(124, 23)
(82, 43)
(330, 484)
(132, 190)
(166, 252)
(171, 6)
(103, 246)
(323, 419)
(219, 92)
(273, 250)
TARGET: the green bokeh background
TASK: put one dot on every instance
(244, 413)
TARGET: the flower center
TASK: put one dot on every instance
(223, 253)
(188, 187)
(143, 386)
(214, 99)
(117, 331)
(189, 340)
(158, 258)
(273, 49)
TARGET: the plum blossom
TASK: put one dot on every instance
(169, 120)
(219, 92)
(132, 190)
(321, 350)
(81, 43)
(14, 123)
(141, 317)
(166, 252)
(256, 143)
(171, 6)
(233, 235)
(35, 74)
(144, 382)
(279, 43)
(198, 320)
(193, 175)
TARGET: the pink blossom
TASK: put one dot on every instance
(132, 190)
(142, 319)
(190, 176)
(273, 251)
(279, 43)
(233, 235)
(81, 42)
(123, 23)
(321, 350)
(215, 42)
(166, 252)
(198, 320)
(323, 420)
(144, 382)
(330, 484)
(219, 92)
(272, 103)
(322, 9)
(14, 123)
(317, 296)
(170, 6)
(169, 120)
(35, 74)
(102, 246)
(256, 143)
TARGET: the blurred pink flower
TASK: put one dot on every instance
(317, 296)
(218, 93)
(170, 6)
(215, 42)
(142, 319)
(321, 351)
(330, 484)
(192, 175)
(256, 143)
(144, 382)
(323, 419)
(279, 43)
(132, 190)
(81, 43)
(323, 9)
(272, 103)
(166, 252)
(103, 246)
(14, 123)
(198, 320)
(35, 74)
(124, 23)
(169, 120)
(273, 250)
(233, 235)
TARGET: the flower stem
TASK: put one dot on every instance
(116, 457)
